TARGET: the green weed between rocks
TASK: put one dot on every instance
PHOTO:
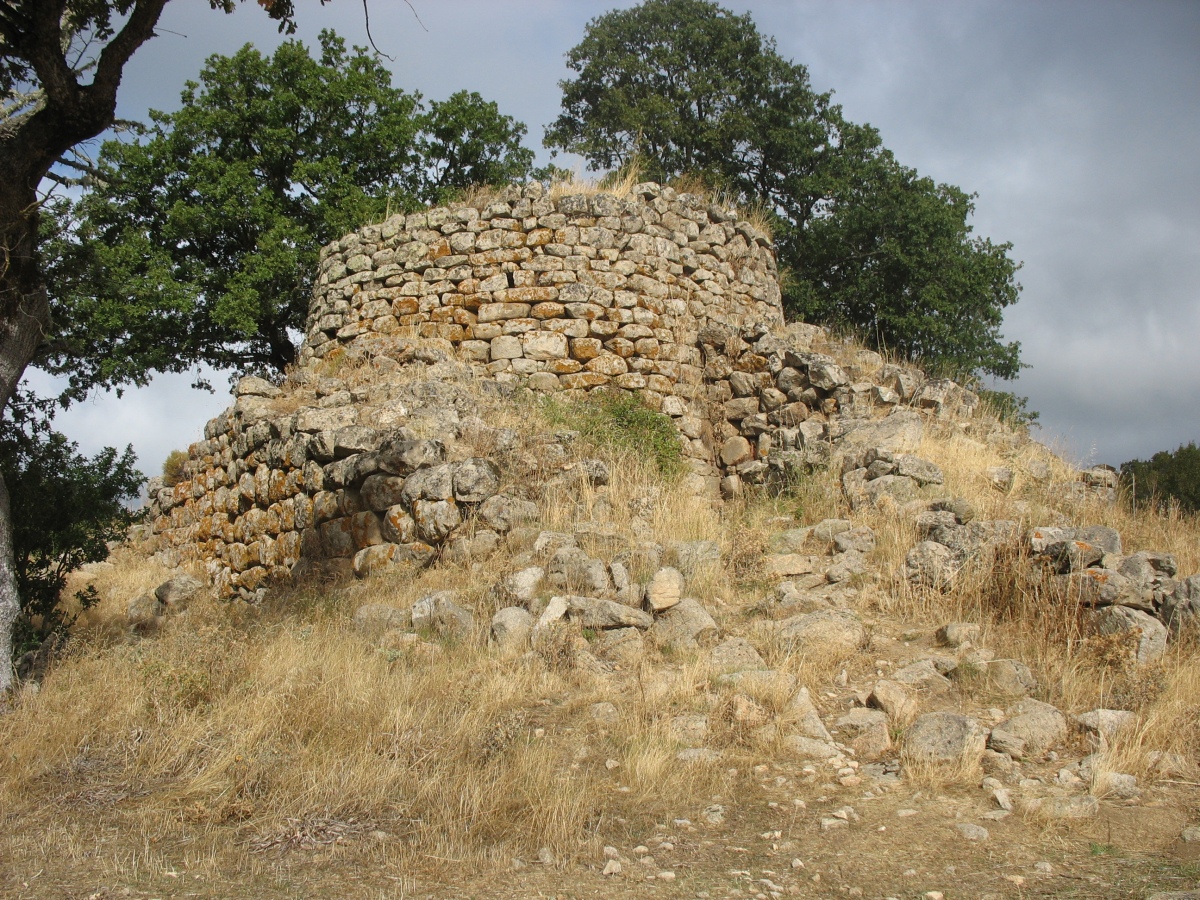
(620, 421)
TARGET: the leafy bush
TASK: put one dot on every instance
(65, 509)
(621, 421)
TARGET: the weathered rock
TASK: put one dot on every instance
(835, 630)
(945, 738)
(511, 628)
(596, 612)
(665, 589)
(684, 626)
(735, 654)
(866, 731)
(1035, 725)
(179, 591)
(1149, 632)
(373, 619)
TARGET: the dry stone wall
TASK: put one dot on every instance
(664, 294)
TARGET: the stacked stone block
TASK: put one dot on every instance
(664, 294)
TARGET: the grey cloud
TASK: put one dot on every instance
(1076, 122)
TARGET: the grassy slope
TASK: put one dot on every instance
(275, 747)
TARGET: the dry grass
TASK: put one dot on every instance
(249, 733)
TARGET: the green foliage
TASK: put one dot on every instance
(1166, 478)
(199, 242)
(1009, 407)
(893, 257)
(621, 421)
(65, 508)
(684, 87)
(172, 467)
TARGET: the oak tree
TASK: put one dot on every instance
(687, 88)
(198, 242)
(61, 63)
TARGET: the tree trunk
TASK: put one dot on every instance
(10, 601)
(31, 31)
(24, 315)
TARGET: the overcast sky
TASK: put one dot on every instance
(1077, 123)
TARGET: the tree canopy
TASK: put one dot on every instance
(199, 242)
(687, 88)
(1166, 478)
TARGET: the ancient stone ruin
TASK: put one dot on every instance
(667, 295)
